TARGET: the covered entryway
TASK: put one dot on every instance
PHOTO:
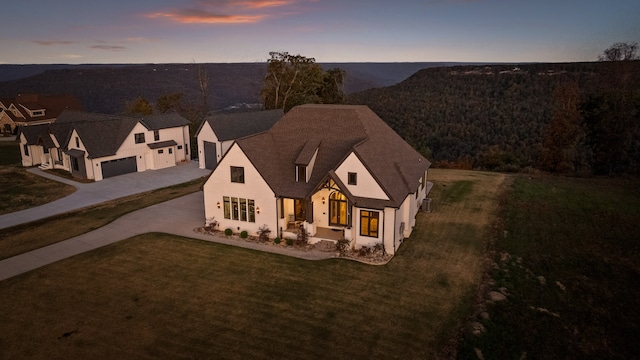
(77, 166)
(210, 155)
(119, 167)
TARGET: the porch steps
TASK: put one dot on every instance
(44, 166)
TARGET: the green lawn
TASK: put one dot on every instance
(582, 236)
(9, 153)
(161, 296)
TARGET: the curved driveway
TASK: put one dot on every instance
(88, 194)
(179, 216)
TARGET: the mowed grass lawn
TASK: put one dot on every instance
(20, 189)
(568, 255)
(161, 296)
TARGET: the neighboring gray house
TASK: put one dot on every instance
(97, 146)
(217, 132)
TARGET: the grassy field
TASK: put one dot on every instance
(20, 189)
(161, 296)
(568, 255)
(22, 238)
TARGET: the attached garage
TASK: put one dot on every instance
(119, 167)
(210, 155)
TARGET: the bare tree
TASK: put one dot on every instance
(203, 82)
(620, 51)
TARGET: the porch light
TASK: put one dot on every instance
(218, 204)
(323, 200)
(258, 210)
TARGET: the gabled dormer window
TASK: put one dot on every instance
(237, 174)
(301, 173)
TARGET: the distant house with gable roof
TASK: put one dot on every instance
(34, 109)
(334, 171)
(98, 146)
(218, 131)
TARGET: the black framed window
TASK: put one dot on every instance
(369, 223)
(301, 173)
(352, 178)
(26, 149)
(156, 135)
(139, 138)
(237, 174)
(227, 207)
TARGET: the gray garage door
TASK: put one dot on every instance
(119, 167)
(210, 155)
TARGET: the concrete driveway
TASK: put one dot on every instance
(88, 194)
(179, 216)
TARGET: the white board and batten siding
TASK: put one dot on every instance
(254, 187)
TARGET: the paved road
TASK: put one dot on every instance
(88, 194)
(178, 216)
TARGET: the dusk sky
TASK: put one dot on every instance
(186, 31)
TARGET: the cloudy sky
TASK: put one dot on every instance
(179, 31)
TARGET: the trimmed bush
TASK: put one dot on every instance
(228, 231)
(244, 234)
(289, 242)
(277, 240)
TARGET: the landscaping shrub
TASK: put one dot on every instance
(228, 231)
(277, 240)
(289, 242)
(244, 234)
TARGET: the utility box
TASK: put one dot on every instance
(426, 205)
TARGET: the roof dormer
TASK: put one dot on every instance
(306, 160)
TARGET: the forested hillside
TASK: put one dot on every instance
(108, 88)
(498, 117)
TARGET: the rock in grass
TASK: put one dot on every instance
(496, 296)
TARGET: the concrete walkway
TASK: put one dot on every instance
(178, 216)
(88, 194)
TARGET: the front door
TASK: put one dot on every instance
(338, 215)
(300, 210)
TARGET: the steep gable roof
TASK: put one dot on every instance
(164, 121)
(231, 126)
(338, 130)
(101, 134)
(53, 105)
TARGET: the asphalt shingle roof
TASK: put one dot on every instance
(337, 130)
(231, 126)
(101, 134)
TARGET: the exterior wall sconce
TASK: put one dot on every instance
(218, 204)
(323, 200)
(258, 210)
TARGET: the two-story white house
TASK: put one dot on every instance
(336, 171)
(98, 146)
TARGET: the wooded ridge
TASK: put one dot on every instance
(497, 117)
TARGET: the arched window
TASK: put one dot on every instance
(338, 215)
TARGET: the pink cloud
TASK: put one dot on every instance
(109, 47)
(49, 43)
(223, 11)
(205, 17)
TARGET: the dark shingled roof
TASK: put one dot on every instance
(164, 121)
(101, 134)
(231, 126)
(53, 105)
(337, 130)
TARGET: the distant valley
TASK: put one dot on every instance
(107, 88)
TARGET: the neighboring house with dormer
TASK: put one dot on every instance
(336, 171)
(98, 146)
(217, 132)
(33, 109)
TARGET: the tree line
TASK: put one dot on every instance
(574, 118)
